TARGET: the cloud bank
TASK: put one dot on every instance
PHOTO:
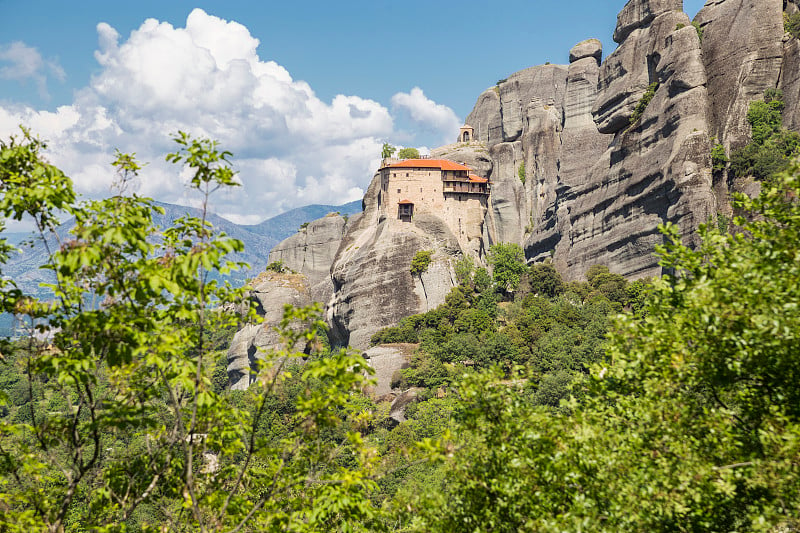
(290, 147)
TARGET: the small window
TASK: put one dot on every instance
(398, 191)
(420, 189)
(407, 174)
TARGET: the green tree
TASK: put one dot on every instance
(387, 151)
(408, 153)
(772, 146)
(126, 421)
(544, 279)
(464, 270)
(508, 265)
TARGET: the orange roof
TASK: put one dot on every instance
(477, 179)
(405, 202)
(441, 164)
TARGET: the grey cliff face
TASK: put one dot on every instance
(743, 52)
(270, 292)
(311, 252)
(657, 169)
(373, 285)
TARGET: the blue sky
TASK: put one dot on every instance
(314, 85)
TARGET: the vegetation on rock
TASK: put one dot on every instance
(791, 23)
(772, 146)
(644, 101)
(420, 262)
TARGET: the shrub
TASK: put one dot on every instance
(699, 30)
(420, 262)
(719, 159)
(791, 23)
(772, 146)
(521, 172)
(647, 97)
(277, 266)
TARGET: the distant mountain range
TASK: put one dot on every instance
(258, 240)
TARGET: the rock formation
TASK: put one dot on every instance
(311, 252)
(585, 161)
(373, 285)
(743, 53)
(270, 292)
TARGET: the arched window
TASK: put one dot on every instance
(465, 138)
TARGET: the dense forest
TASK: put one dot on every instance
(668, 404)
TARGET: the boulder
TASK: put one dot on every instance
(388, 360)
(589, 48)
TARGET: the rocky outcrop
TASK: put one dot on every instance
(387, 360)
(270, 292)
(581, 142)
(640, 14)
(474, 154)
(486, 119)
(790, 76)
(373, 285)
(657, 166)
(499, 114)
(742, 52)
(311, 252)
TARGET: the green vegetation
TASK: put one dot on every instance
(542, 405)
(692, 406)
(698, 29)
(791, 23)
(719, 158)
(113, 413)
(387, 151)
(408, 153)
(772, 146)
(521, 172)
(643, 103)
(277, 266)
(508, 265)
(420, 262)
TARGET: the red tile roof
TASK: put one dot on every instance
(441, 164)
(403, 202)
(477, 179)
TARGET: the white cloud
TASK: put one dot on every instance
(290, 148)
(21, 62)
(428, 114)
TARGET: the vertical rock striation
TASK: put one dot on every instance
(656, 167)
(743, 53)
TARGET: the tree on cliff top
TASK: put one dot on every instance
(408, 153)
